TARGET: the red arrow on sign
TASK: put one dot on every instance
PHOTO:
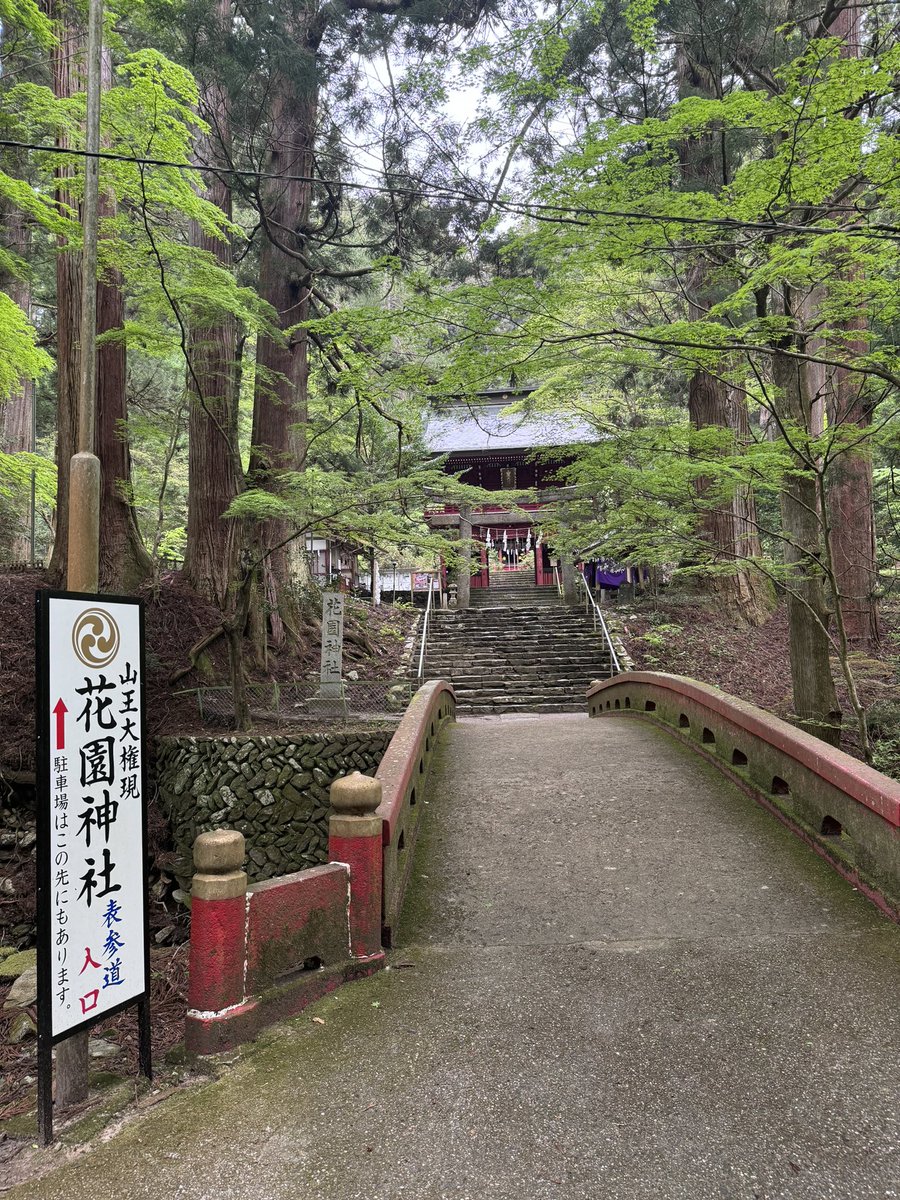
(60, 713)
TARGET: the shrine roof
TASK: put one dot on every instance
(458, 426)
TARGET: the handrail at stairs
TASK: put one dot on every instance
(615, 666)
(557, 580)
(421, 672)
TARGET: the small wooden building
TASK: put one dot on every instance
(495, 450)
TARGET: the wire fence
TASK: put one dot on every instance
(20, 565)
(353, 700)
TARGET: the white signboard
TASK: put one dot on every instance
(332, 643)
(403, 581)
(93, 890)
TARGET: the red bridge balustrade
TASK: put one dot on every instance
(402, 775)
(848, 812)
(261, 953)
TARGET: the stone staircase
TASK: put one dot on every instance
(517, 649)
(513, 587)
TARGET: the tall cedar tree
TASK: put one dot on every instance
(730, 529)
(17, 412)
(851, 489)
(124, 562)
(64, 57)
(214, 463)
(286, 274)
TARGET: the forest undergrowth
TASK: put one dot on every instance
(695, 636)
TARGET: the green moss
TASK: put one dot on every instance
(23, 1125)
(17, 963)
(418, 905)
(118, 1095)
(176, 1056)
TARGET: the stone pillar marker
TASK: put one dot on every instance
(332, 643)
(218, 921)
(330, 700)
(355, 838)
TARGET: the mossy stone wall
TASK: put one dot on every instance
(273, 789)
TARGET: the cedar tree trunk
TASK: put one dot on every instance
(727, 528)
(282, 366)
(850, 482)
(214, 464)
(64, 57)
(815, 699)
(18, 411)
(124, 561)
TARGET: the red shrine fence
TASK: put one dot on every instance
(264, 952)
(848, 812)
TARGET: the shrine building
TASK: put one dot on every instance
(495, 450)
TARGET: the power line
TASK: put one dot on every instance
(551, 213)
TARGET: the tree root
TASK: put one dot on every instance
(195, 651)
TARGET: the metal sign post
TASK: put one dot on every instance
(93, 943)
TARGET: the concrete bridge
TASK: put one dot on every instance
(615, 975)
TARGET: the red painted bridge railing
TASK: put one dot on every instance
(402, 775)
(846, 810)
(263, 952)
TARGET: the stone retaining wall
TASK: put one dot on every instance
(274, 790)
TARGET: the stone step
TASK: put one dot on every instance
(505, 584)
(513, 686)
(538, 696)
(515, 600)
(498, 613)
(517, 595)
(481, 598)
(495, 656)
(540, 652)
(494, 668)
(546, 644)
(532, 589)
(537, 655)
(504, 671)
(514, 631)
(517, 649)
(511, 708)
(487, 617)
(549, 634)
(524, 684)
(511, 637)
(502, 612)
(492, 663)
(545, 649)
(517, 627)
(524, 677)
(514, 579)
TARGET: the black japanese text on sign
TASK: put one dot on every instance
(93, 895)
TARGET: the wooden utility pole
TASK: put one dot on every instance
(84, 496)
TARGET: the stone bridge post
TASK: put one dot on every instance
(355, 838)
(218, 922)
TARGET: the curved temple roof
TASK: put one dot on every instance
(459, 426)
